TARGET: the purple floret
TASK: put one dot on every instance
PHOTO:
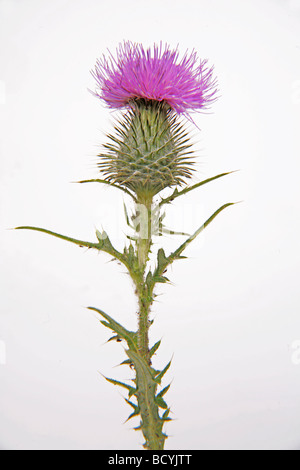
(158, 74)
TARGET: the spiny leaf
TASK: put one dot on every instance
(162, 260)
(159, 376)
(136, 409)
(163, 391)
(131, 390)
(165, 416)
(105, 323)
(125, 190)
(129, 336)
(154, 348)
(161, 279)
(131, 258)
(135, 413)
(149, 279)
(58, 235)
(127, 361)
(161, 402)
(113, 338)
(134, 406)
(104, 243)
(181, 257)
(182, 247)
(177, 193)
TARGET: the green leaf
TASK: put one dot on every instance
(163, 391)
(127, 362)
(131, 259)
(177, 253)
(81, 243)
(136, 409)
(160, 375)
(161, 279)
(149, 279)
(161, 402)
(165, 416)
(134, 406)
(125, 190)
(113, 338)
(132, 415)
(104, 243)
(131, 390)
(177, 193)
(162, 260)
(129, 336)
(154, 348)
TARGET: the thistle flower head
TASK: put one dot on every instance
(185, 85)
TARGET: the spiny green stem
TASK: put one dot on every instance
(151, 423)
(146, 383)
(143, 325)
(143, 245)
(144, 240)
(139, 353)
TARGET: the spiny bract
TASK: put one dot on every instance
(149, 151)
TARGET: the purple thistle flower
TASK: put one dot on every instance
(186, 85)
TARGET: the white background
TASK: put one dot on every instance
(231, 319)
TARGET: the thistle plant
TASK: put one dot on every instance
(149, 151)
